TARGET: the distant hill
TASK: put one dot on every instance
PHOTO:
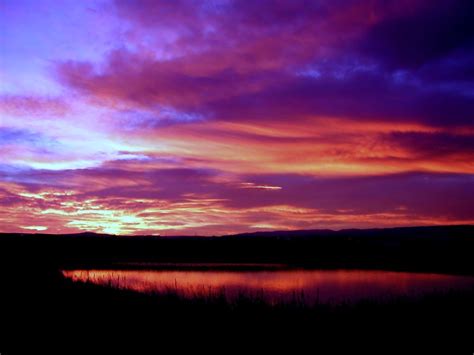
(433, 231)
(432, 248)
(418, 231)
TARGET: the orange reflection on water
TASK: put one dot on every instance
(309, 286)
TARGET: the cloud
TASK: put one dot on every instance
(248, 62)
(218, 117)
(20, 105)
(10, 135)
(414, 39)
(176, 201)
(429, 145)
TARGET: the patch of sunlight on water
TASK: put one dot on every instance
(308, 286)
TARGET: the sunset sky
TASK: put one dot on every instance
(214, 117)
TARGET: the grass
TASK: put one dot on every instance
(42, 309)
(41, 312)
(219, 297)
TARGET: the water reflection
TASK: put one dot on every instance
(309, 286)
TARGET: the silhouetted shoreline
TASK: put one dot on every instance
(35, 293)
(441, 249)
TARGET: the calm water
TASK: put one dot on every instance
(309, 286)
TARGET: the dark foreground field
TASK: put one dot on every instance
(43, 313)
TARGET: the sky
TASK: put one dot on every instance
(215, 117)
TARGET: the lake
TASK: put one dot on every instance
(308, 286)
